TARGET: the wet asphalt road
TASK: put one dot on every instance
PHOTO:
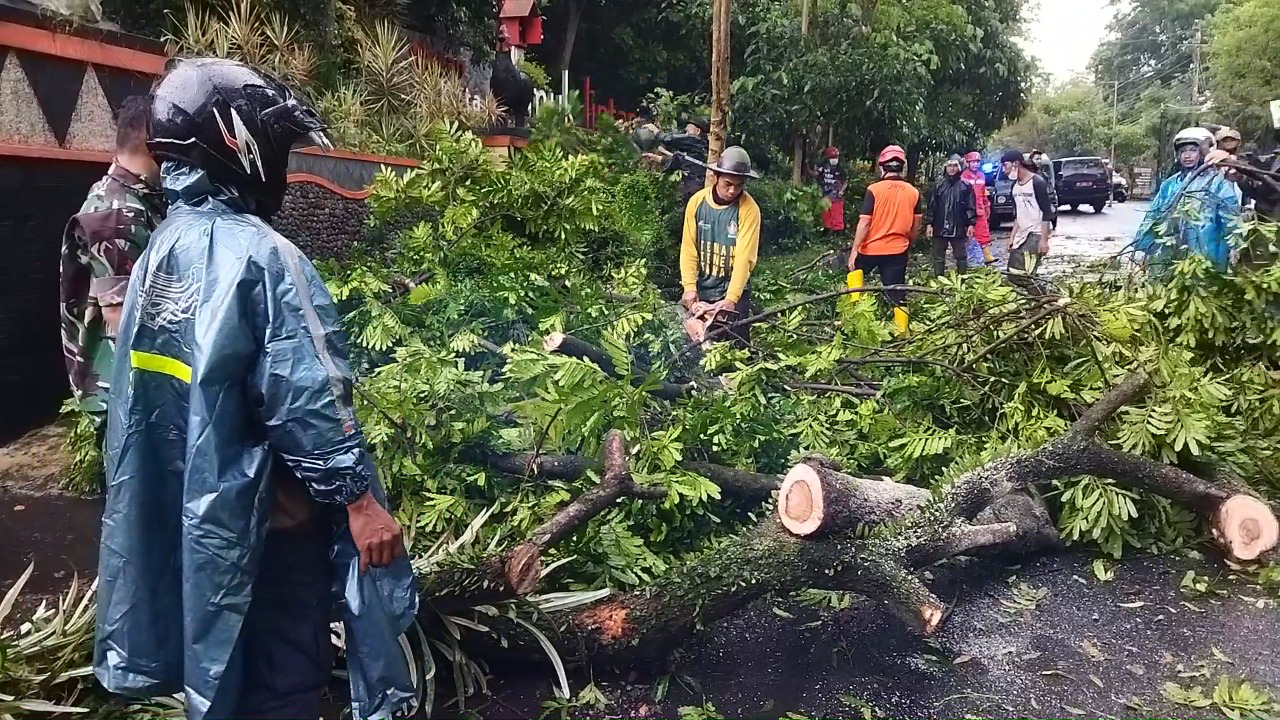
(1082, 236)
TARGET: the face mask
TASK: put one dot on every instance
(833, 161)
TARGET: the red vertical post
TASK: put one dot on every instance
(586, 101)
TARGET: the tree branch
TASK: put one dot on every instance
(742, 483)
(724, 328)
(1092, 420)
(568, 345)
(523, 564)
(1023, 326)
(859, 392)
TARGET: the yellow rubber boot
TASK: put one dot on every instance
(901, 320)
(987, 256)
(854, 280)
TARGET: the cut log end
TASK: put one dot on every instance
(552, 342)
(931, 617)
(1245, 527)
(800, 506)
(524, 568)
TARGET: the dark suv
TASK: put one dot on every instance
(1083, 181)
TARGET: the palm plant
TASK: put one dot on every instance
(382, 98)
(44, 660)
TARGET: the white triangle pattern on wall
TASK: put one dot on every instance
(21, 120)
(92, 125)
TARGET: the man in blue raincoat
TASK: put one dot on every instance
(241, 501)
(1195, 208)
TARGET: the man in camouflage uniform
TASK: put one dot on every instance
(99, 247)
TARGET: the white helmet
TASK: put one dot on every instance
(1194, 136)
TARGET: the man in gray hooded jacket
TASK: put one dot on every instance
(950, 216)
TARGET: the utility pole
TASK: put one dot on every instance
(1115, 111)
(720, 16)
(1195, 73)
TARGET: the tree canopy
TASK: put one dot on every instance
(1244, 65)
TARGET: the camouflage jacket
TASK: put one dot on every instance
(99, 247)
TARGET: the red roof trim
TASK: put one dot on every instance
(380, 159)
(55, 153)
(71, 47)
(330, 185)
(518, 8)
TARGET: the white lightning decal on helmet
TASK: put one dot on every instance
(242, 142)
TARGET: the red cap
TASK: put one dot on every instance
(975, 155)
(830, 153)
(891, 154)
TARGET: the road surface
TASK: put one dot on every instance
(1082, 236)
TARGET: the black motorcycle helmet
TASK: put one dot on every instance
(234, 122)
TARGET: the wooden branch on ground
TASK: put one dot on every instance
(523, 564)
(527, 464)
(558, 342)
(740, 483)
(1243, 525)
(815, 500)
(517, 572)
(724, 328)
(859, 392)
(1025, 325)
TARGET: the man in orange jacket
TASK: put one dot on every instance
(890, 218)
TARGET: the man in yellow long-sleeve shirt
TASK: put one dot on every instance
(719, 249)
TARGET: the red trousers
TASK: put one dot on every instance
(982, 231)
(833, 216)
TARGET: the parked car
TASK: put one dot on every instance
(1119, 187)
(1083, 181)
(1000, 191)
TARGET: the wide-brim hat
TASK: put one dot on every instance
(734, 161)
(701, 123)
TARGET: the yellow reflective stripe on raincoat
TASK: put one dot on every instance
(161, 364)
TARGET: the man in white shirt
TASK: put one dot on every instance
(1029, 240)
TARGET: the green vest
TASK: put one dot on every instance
(717, 235)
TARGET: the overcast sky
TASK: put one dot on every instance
(1064, 33)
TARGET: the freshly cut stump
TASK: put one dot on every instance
(815, 500)
(802, 501)
(1245, 527)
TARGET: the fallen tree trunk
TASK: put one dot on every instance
(816, 539)
(813, 540)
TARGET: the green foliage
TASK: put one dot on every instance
(1150, 40)
(792, 216)
(936, 75)
(1244, 67)
(44, 658)
(537, 74)
(84, 472)
(670, 108)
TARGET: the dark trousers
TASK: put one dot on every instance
(959, 250)
(286, 653)
(892, 269)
